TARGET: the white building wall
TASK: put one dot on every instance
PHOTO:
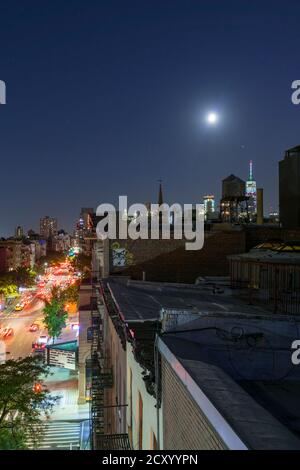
(149, 409)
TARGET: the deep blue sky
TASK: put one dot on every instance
(105, 97)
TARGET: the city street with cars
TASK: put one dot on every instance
(21, 323)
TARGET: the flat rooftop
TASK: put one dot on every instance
(140, 301)
(243, 365)
(239, 355)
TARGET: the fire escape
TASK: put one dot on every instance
(101, 379)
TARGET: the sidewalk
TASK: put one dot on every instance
(64, 383)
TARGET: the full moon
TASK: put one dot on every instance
(212, 118)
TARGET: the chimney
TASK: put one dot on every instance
(260, 206)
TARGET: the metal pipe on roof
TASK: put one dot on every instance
(260, 206)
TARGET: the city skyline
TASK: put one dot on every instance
(73, 225)
(150, 230)
(146, 77)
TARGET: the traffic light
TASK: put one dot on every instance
(37, 388)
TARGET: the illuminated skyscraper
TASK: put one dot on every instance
(209, 206)
(251, 193)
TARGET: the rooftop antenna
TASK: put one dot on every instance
(251, 171)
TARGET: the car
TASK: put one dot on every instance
(7, 333)
(43, 339)
(19, 307)
(40, 344)
(38, 347)
(34, 327)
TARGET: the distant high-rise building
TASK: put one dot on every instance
(289, 188)
(48, 227)
(209, 206)
(85, 218)
(19, 232)
(251, 193)
(85, 230)
(84, 224)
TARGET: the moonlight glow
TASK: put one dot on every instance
(212, 118)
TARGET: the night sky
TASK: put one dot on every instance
(106, 97)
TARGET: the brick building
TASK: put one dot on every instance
(211, 350)
(222, 389)
(168, 260)
(16, 253)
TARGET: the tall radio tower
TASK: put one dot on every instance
(251, 193)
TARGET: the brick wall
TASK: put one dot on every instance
(169, 261)
(185, 427)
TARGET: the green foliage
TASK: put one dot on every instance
(54, 314)
(10, 282)
(24, 277)
(55, 317)
(7, 286)
(12, 439)
(70, 294)
(82, 263)
(21, 408)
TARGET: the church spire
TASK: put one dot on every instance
(160, 194)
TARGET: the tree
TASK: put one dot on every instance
(24, 277)
(22, 407)
(82, 263)
(54, 317)
(70, 294)
(7, 286)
